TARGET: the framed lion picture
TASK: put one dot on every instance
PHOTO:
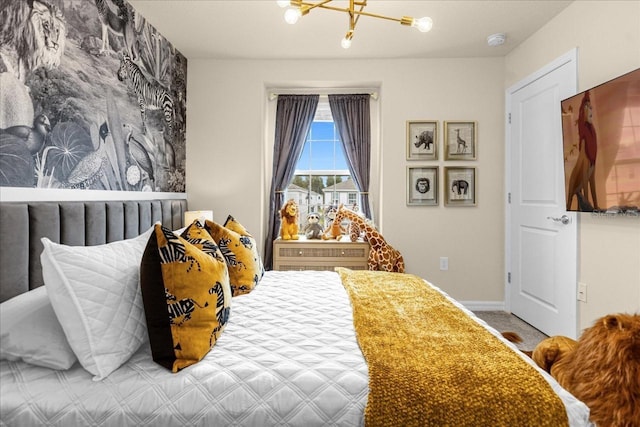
(422, 186)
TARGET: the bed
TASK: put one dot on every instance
(289, 354)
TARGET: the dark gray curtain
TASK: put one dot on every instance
(351, 115)
(294, 116)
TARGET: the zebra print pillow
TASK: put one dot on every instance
(240, 251)
(232, 224)
(186, 295)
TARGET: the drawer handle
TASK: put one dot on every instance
(342, 252)
(300, 253)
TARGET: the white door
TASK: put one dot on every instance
(541, 236)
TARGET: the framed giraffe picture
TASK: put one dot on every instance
(460, 140)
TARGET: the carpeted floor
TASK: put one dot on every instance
(503, 322)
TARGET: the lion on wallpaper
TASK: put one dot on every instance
(36, 30)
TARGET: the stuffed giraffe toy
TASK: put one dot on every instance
(382, 255)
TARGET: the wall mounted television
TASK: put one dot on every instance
(601, 147)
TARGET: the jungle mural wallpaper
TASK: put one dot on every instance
(91, 97)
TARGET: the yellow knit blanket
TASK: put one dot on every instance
(432, 365)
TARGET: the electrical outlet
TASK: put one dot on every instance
(444, 263)
(582, 292)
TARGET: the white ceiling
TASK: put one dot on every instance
(255, 29)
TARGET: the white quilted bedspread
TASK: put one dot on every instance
(288, 356)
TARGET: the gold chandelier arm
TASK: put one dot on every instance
(375, 15)
(324, 5)
(305, 7)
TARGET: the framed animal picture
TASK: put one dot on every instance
(422, 140)
(422, 186)
(460, 186)
(460, 140)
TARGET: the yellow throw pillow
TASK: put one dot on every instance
(248, 240)
(240, 251)
(234, 225)
(186, 295)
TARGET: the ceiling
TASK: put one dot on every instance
(255, 29)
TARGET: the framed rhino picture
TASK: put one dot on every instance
(422, 140)
(460, 186)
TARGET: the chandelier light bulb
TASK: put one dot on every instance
(345, 43)
(423, 24)
(283, 3)
(291, 16)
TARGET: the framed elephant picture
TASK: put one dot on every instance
(422, 140)
(460, 186)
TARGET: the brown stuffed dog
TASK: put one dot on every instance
(602, 368)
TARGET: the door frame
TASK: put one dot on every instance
(569, 57)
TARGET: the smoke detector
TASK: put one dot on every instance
(496, 39)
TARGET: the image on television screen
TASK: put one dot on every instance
(601, 146)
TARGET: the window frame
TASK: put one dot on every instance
(270, 97)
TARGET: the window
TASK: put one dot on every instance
(318, 185)
(322, 178)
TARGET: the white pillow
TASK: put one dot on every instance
(30, 331)
(179, 231)
(95, 293)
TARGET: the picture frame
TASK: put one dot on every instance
(422, 140)
(422, 185)
(460, 186)
(460, 140)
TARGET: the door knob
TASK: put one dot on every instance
(563, 219)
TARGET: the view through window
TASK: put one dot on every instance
(322, 179)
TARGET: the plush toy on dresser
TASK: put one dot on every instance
(289, 216)
(333, 230)
(382, 256)
(313, 229)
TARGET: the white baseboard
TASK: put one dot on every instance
(484, 305)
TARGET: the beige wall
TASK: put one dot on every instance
(607, 35)
(228, 144)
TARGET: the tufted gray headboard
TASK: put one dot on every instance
(22, 224)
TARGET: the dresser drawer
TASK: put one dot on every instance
(344, 251)
(319, 254)
(320, 266)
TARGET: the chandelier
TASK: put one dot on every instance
(298, 8)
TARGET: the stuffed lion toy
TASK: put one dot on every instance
(602, 368)
(289, 216)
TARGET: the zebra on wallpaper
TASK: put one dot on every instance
(150, 95)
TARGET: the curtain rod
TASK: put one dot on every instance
(274, 95)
